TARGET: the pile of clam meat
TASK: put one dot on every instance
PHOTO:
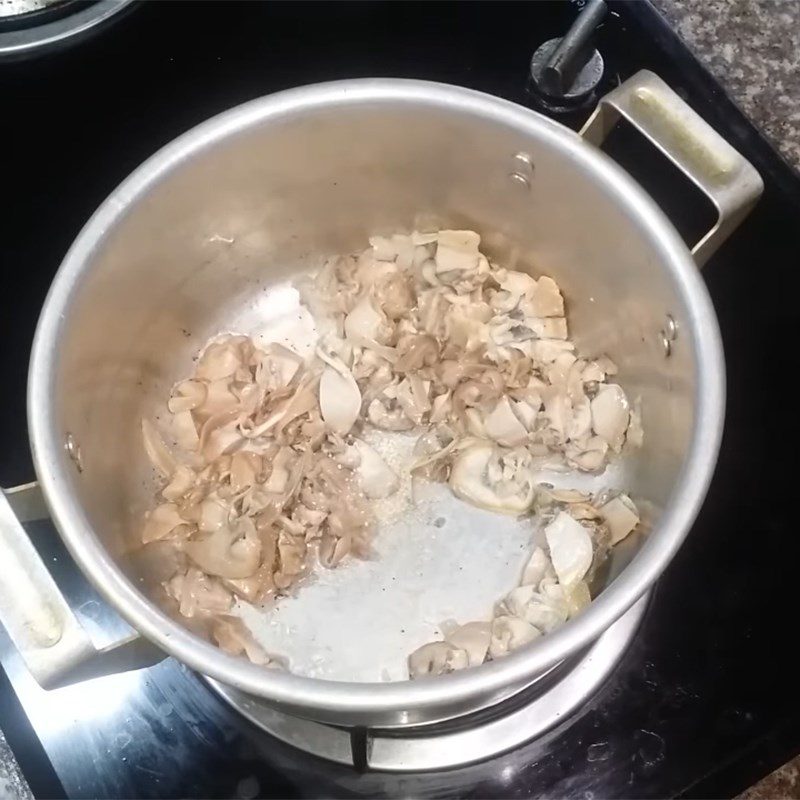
(267, 472)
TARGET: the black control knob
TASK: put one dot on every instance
(565, 71)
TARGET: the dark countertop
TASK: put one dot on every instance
(753, 48)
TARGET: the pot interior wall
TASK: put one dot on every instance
(203, 245)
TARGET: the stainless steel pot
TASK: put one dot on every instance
(260, 192)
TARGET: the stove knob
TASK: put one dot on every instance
(564, 72)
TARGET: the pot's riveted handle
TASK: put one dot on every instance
(686, 139)
(54, 646)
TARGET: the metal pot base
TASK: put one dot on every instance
(460, 741)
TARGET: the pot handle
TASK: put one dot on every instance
(688, 141)
(53, 644)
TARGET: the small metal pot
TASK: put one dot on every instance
(252, 196)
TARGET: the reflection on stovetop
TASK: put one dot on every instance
(704, 701)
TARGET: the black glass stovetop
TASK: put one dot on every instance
(705, 701)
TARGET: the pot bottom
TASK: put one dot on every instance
(463, 740)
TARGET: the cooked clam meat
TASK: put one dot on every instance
(267, 471)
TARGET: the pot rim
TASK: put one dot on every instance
(402, 700)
